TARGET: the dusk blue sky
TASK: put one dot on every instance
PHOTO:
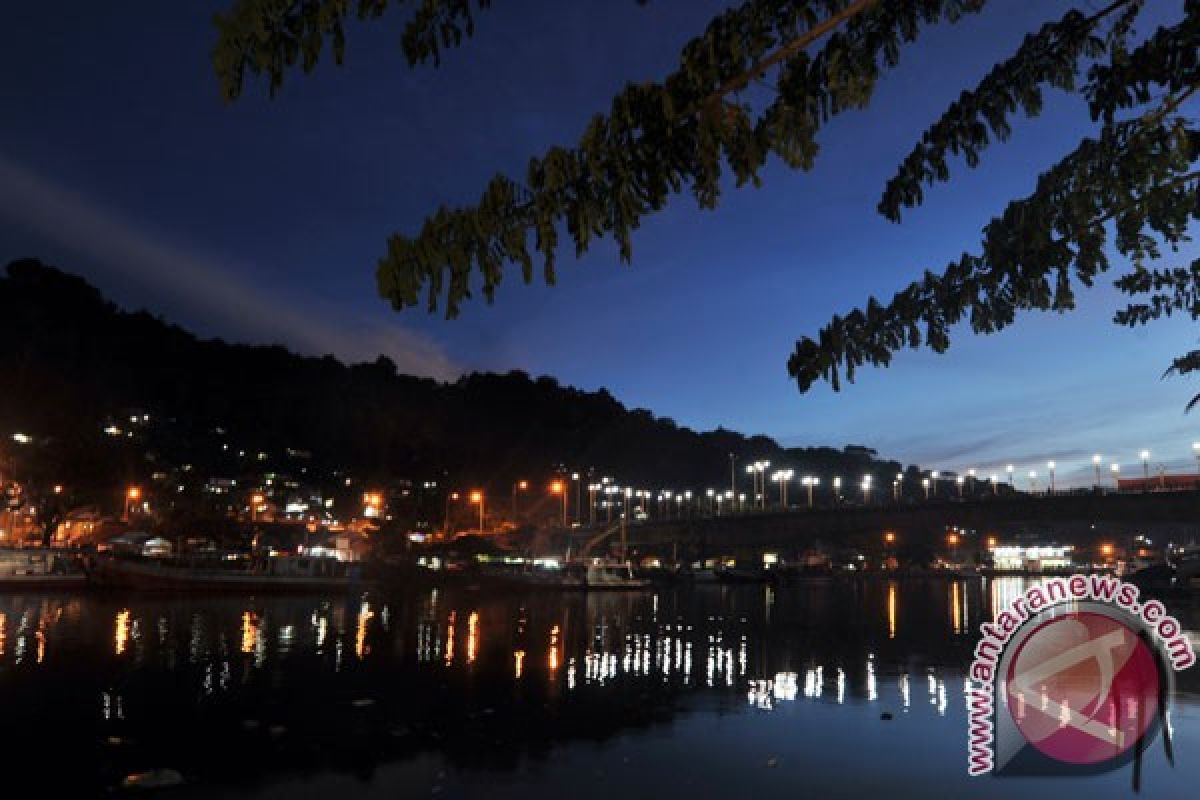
(262, 221)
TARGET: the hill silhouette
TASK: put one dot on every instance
(73, 364)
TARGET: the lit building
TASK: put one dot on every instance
(1036, 558)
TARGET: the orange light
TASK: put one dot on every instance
(1107, 549)
(454, 495)
(556, 487)
(256, 499)
(134, 493)
(952, 538)
(476, 496)
(523, 485)
(58, 488)
(889, 537)
(991, 542)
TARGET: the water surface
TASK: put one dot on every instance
(714, 691)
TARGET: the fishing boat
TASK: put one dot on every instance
(594, 574)
(271, 574)
(39, 568)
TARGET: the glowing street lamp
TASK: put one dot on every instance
(477, 497)
(995, 484)
(866, 489)
(925, 486)
(560, 488)
(1010, 469)
(782, 477)
(837, 489)
(1050, 466)
(256, 501)
(1096, 461)
(132, 495)
(959, 480)
(518, 486)
(446, 520)
(578, 498)
(1116, 473)
(810, 481)
(1145, 456)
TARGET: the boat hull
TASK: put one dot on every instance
(25, 583)
(116, 573)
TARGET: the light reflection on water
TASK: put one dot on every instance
(251, 688)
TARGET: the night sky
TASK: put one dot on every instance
(262, 221)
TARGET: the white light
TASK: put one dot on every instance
(1096, 459)
(1050, 465)
(1145, 454)
(22, 438)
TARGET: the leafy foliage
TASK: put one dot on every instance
(1137, 177)
(1131, 185)
(271, 36)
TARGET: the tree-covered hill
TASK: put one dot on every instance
(74, 364)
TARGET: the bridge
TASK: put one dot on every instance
(1069, 518)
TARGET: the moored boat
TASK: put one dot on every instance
(39, 568)
(274, 574)
(586, 575)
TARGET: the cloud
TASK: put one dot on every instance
(208, 284)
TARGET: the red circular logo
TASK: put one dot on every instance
(1083, 688)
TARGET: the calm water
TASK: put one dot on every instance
(712, 691)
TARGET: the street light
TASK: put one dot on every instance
(959, 480)
(1145, 456)
(1033, 481)
(559, 488)
(995, 488)
(518, 486)
(1096, 459)
(578, 498)
(925, 485)
(477, 497)
(810, 482)
(1010, 469)
(837, 490)
(782, 477)
(1050, 466)
(256, 500)
(132, 495)
(446, 521)
(1116, 473)
(866, 488)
